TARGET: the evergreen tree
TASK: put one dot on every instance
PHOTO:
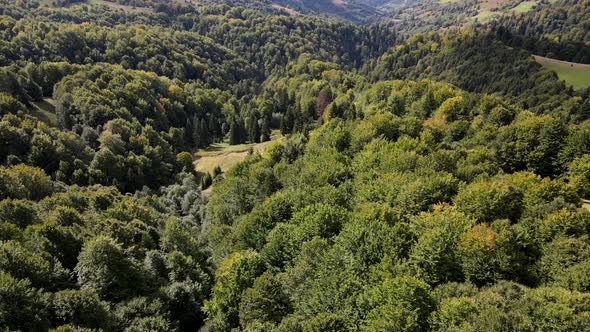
(188, 132)
(253, 129)
(429, 103)
(204, 134)
(265, 130)
(206, 181)
(217, 171)
(213, 125)
(287, 122)
(236, 133)
(196, 132)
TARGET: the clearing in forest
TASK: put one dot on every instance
(525, 6)
(574, 74)
(226, 156)
(44, 111)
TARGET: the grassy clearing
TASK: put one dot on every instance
(114, 5)
(525, 6)
(574, 74)
(290, 11)
(226, 156)
(485, 16)
(45, 3)
(489, 9)
(44, 111)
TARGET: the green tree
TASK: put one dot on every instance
(266, 301)
(104, 268)
(266, 128)
(235, 274)
(434, 253)
(253, 129)
(81, 308)
(22, 307)
(488, 200)
(399, 304)
(24, 182)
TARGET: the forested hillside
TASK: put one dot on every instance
(428, 176)
(435, 209)
(556, 29)
(478, 61)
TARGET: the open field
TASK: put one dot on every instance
(525, 6)
(122, 7)
(485, 16)
(226, 156)
(44, 111)
(290, 11)
(574, 74)
(489, 9)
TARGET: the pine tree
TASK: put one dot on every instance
(196, 132)
(253, 129)
(233, 134)
(266, 128)
(206, 181)
(213, 126)
(217, 171)
(236, 133)
(429, 103)
(287, 122)
(188, 132)
(205, 138)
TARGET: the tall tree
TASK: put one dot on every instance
(253, 129)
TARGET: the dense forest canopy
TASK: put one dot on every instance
(398, 169)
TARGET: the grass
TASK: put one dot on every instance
(485, 16)
(226, 156)
(574, 74)
(46, 3)
(114, 5)
(44, 111)
(525, 6)
(290, 11)
(489, 9)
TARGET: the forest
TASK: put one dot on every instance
(416, 175)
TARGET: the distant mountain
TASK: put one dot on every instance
(353, 10)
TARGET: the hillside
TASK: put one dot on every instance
(415, 209)
(478, 62)
(555, 29)
(354, 10)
